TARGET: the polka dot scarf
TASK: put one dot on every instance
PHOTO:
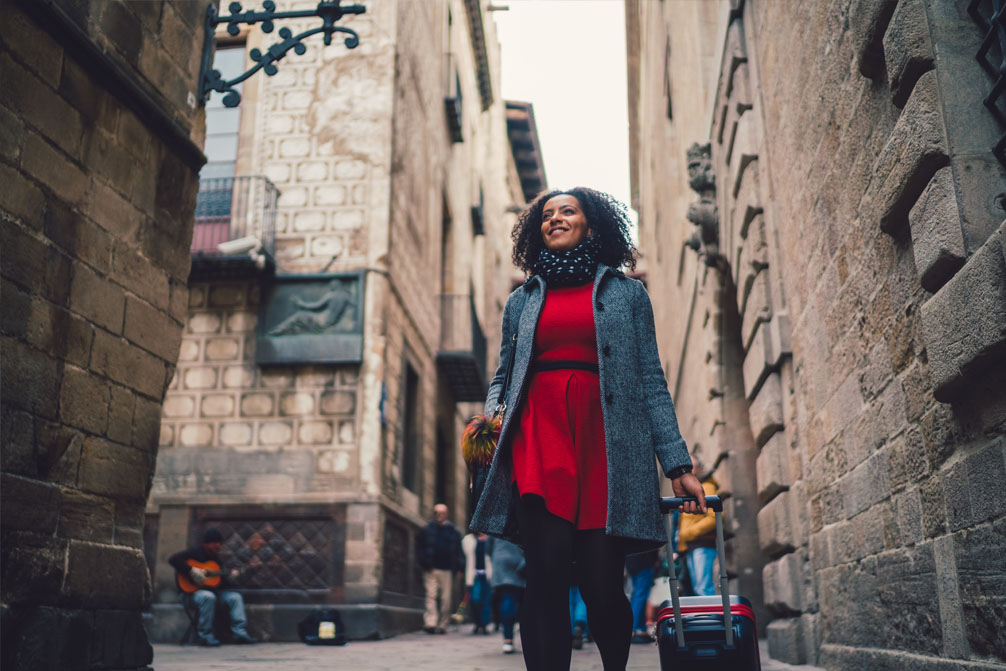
(572, 267)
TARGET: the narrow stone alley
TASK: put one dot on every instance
(415, 652)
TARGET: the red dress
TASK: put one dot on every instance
(558, 449)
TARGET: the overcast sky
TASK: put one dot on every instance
(567, 57)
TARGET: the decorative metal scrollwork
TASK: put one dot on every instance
(329, 12)
(990, 15)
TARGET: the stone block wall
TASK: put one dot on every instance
(98, 157)
(356, 142)
(673, 50)
(882, 191)
(283, 430)
(239, 436)
(859, 218)
(320, 130)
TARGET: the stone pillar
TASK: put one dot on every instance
(98, 158)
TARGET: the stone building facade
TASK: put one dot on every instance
(387, 171)
(99, 154)
(831, 272)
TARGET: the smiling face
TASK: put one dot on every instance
(563, 224)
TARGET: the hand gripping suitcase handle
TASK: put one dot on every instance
(669, 503)
(714, 503)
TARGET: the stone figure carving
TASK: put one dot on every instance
(701, 176)
(315, 317)
(704, 213)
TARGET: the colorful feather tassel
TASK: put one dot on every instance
(478, 443)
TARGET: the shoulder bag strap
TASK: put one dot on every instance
(501, 399)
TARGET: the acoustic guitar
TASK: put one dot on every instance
(213, 573)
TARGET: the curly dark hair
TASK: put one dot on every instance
(606, 216)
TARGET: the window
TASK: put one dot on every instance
(447, 251)
(222, 123)
(411, 438)
(667, 78)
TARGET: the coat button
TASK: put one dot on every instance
(609, 399)
(607, 350)
(600, 306)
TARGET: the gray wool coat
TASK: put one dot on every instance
(639, 419)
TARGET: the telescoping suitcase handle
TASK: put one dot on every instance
(714, 503)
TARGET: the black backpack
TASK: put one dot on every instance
(322, 627)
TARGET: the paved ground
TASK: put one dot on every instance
(412, 652)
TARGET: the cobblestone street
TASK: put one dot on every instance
(416, 652)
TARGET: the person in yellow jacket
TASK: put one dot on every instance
(697, 538)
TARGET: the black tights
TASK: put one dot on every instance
(553, 547)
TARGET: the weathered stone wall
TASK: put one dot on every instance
(436, 256)
(236, 436)
(674, 51)
(859, 216)
(886, 158)
(321, 132)
(357, 143)
(283, 432)
(99, 171)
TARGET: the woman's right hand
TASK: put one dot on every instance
(689, 485)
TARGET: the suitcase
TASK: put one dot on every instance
(690, 629)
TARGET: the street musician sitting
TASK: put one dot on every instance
(203, 581)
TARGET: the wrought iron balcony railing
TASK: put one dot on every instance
(990, 15)
(235, 226)
(462, 353)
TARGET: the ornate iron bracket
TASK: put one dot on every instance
(329, 12)
(990, 15)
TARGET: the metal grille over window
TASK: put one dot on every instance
(990, 15)
(280, 554)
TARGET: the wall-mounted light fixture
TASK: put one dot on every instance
(328, 12)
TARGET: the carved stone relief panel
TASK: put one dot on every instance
(312, 319)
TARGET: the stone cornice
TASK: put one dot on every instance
(473, 8)
(525, 148)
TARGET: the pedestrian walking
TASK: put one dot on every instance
(508, 567)
(439, 554)
(640, 567)
(478, 574)
(697, 538)
(586, 410)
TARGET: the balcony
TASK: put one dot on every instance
(453, 102)
(235, 228)
(462, 354)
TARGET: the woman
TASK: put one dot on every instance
(587, 408)
(508, 585)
